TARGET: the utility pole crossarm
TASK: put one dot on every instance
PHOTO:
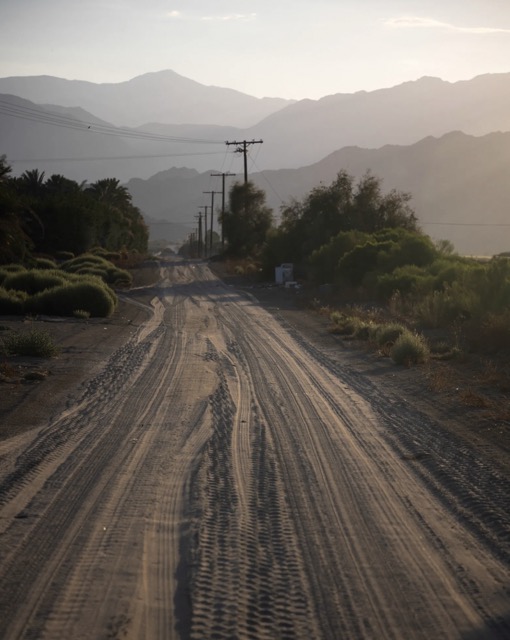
(242, 147)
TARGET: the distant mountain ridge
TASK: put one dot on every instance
(162, 96)
(297, 135)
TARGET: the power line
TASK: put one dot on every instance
(68, 122)
(467, 224)
(130, 157)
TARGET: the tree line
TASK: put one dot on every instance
(47, 216)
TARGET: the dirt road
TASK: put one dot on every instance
(220, 477)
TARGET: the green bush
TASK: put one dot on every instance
(90, 264)
(81, 314)
(388, 334)
(44, 263)
(35, 342)
(363, 331)
(8, 269)
(12, 303)
(410, 348)
(86, 294)
(442, 308)
(64, 255)
(409, 280)
(33, 281)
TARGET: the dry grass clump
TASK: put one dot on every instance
(410, 348)
(35, 342)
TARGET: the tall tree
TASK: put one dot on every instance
(247, 220)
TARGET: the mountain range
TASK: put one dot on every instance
(445, 143)
(163, 96)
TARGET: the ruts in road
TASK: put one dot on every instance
(221, 478)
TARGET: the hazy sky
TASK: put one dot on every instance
(285, 48)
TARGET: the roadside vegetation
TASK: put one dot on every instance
(65, 247)
(360, 256)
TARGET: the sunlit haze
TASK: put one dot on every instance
(288, 49)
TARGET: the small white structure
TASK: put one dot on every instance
(284, 273)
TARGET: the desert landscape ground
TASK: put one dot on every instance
(211, 462)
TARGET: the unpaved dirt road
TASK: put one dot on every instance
(220, 477)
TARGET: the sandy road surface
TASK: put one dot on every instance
(219, 477)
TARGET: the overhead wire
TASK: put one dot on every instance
(271, 186)
(68, 122)
(467, 224)
(130, 157)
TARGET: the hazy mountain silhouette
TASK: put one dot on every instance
(309, 130)
(297, 135)
(459, 185)
(162, 96)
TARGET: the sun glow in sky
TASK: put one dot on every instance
(283, 48)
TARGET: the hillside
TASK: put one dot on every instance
(297, 135)
(163, 96)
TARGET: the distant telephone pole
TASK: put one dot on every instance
(205, 207)
(199, 234)
(212, 217)
(242, 147)
(223, 175)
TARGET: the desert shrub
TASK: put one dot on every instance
(7, 269)
(106, 253)
(44, 263)
(347, 325)
(64, 255)
(85, 259)
(86, 294)
(35, 342)
(13, 268)
(363, 330)
(81, 314)
(410, 348)
(442, 308)
(12, 303)
(409, 280)
(33, 281)
(388, 334)
(89, 264)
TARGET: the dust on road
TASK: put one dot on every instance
(220, 477)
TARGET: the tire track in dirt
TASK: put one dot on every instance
(348, 412)
(220, 478)
(247, 580)
(68, 506)
(471, 487)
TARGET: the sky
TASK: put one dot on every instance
(291, 49)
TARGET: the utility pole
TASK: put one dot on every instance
(212, 216)
(199, 234)
(205, 207)
(222, 200)
(242, 147)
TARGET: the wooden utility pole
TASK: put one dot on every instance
(212, 217)
(205, 207)
(199, 234)
(222, 200)
(242, 147)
